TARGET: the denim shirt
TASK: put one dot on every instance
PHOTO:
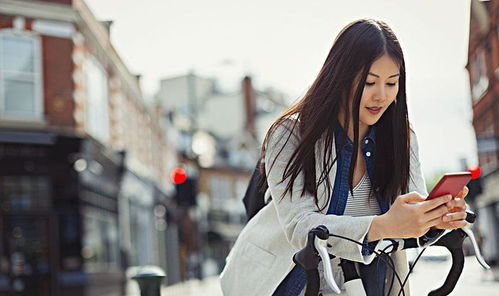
(344, 147)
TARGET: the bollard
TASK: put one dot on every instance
(149, 280)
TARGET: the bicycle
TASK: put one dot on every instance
(316, 250)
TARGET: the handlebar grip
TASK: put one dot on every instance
(307, 257)
(410, 243)
(453, 241)
(454, 274)
(470, 217)
(313, 282)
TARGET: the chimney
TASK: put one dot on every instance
(107, 25)
(249, 105)
(138, 78)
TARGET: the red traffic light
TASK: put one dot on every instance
(178, 175)
(475, 171)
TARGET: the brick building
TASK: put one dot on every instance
(483, 68)
(84, 187)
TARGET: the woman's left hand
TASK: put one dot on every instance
(456, 216)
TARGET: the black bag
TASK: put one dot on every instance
(254, 198)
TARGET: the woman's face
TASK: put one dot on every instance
(382, 85)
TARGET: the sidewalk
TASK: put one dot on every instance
(208, 286)
(427, 276)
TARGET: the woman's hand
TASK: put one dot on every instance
(457, 212)
(410, 216)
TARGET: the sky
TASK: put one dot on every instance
(283, 43)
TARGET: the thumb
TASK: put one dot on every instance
(412, 197)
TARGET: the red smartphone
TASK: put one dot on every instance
(450, 183)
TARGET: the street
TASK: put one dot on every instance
(427, 276)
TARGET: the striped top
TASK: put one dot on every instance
(362, 203)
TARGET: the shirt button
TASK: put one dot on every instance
(368, 153)
(366, 141)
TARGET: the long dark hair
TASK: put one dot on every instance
(353, 52)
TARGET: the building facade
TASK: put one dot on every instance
(220, 133)
(483, 68)
(84, 187)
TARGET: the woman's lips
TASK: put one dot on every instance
(374, 110)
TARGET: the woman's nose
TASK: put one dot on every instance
(380, 94)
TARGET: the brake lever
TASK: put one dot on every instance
(310, 256)
(478, 254)
(320, 244)
(470, 218)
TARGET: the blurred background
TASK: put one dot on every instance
(129, 129)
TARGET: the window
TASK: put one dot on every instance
(25, 193)
(97, 117)
(479, 79)
(142, 250)
(20, 75)
(100, 240)
(220, 191)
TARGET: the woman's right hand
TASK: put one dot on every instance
(409, 216)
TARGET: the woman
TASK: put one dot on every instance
(344, 156)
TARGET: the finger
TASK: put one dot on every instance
(454, 216)
(433, 203)
(456, 203)
(436, 213)
(464, 192)
(412, 197)
(433, 222)
(458, 206)
(457, 224)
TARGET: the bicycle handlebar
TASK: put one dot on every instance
(316, 250)
(308, 259)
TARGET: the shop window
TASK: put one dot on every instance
(100, 250)
(69, 234)
(25, 193)
(142, 242)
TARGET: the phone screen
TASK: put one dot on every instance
(451, 183)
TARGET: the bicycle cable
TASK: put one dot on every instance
(379, 255)
(412, 266)
(393, 264)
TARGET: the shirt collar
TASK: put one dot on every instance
(371, 134)
(340, 134)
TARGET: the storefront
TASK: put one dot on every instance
(58, 215)
(488, 222)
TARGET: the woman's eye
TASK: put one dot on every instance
(389, 84)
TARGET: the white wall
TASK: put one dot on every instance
(174, 92)
(223, 115)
